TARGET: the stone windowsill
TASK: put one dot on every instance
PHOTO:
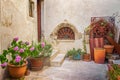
(65, 40)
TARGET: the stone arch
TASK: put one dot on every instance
(76, 34)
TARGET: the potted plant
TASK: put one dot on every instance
(74, 54)
(99, 55)
(40, 56)
(47, 51)
(36, 58)
(69, 54)
(114, 72)
(15, 58)
(86, 57)
(109, 49)
(77, 54)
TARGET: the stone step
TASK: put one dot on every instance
(54, 54)
(58, 60)
(116, 61)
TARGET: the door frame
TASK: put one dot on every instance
(39, 19)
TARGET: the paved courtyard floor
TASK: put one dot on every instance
(71, 70)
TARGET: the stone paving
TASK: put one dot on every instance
(71, 70)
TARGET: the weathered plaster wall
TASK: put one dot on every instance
(15, 21)
(21, 25)
(76, 12)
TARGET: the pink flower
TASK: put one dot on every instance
(18, 58)
(16, 48)
(43, 44)
(32, 49)
(4, 64)
(15, 39)
(21, 50)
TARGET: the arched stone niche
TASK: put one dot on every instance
(66, 31)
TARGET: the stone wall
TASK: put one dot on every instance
(15, 21)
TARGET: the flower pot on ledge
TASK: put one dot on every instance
(109, 48)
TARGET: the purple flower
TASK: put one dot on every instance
(32, 48)
(18, 58)
(16, 48)
(21, 50)
(43, 44)
(27, 43)
(4, 64)
(15, 39)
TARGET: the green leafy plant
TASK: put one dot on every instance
(42, 49)
(47, 50)
(17, 53)
(69, 53)
(79, 51)
(114, 73)
(84, 44)
(74, 52)
(37, 51)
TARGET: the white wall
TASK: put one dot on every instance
(77, 12)
(42, 17)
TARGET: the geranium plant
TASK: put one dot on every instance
(42, 49)
(17, 53)
(47, 49)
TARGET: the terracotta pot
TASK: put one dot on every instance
(99, 55)
(118, 77)
(36, 63)
(86, 57)
(17, 71)
(109, 48)
(27, 73)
